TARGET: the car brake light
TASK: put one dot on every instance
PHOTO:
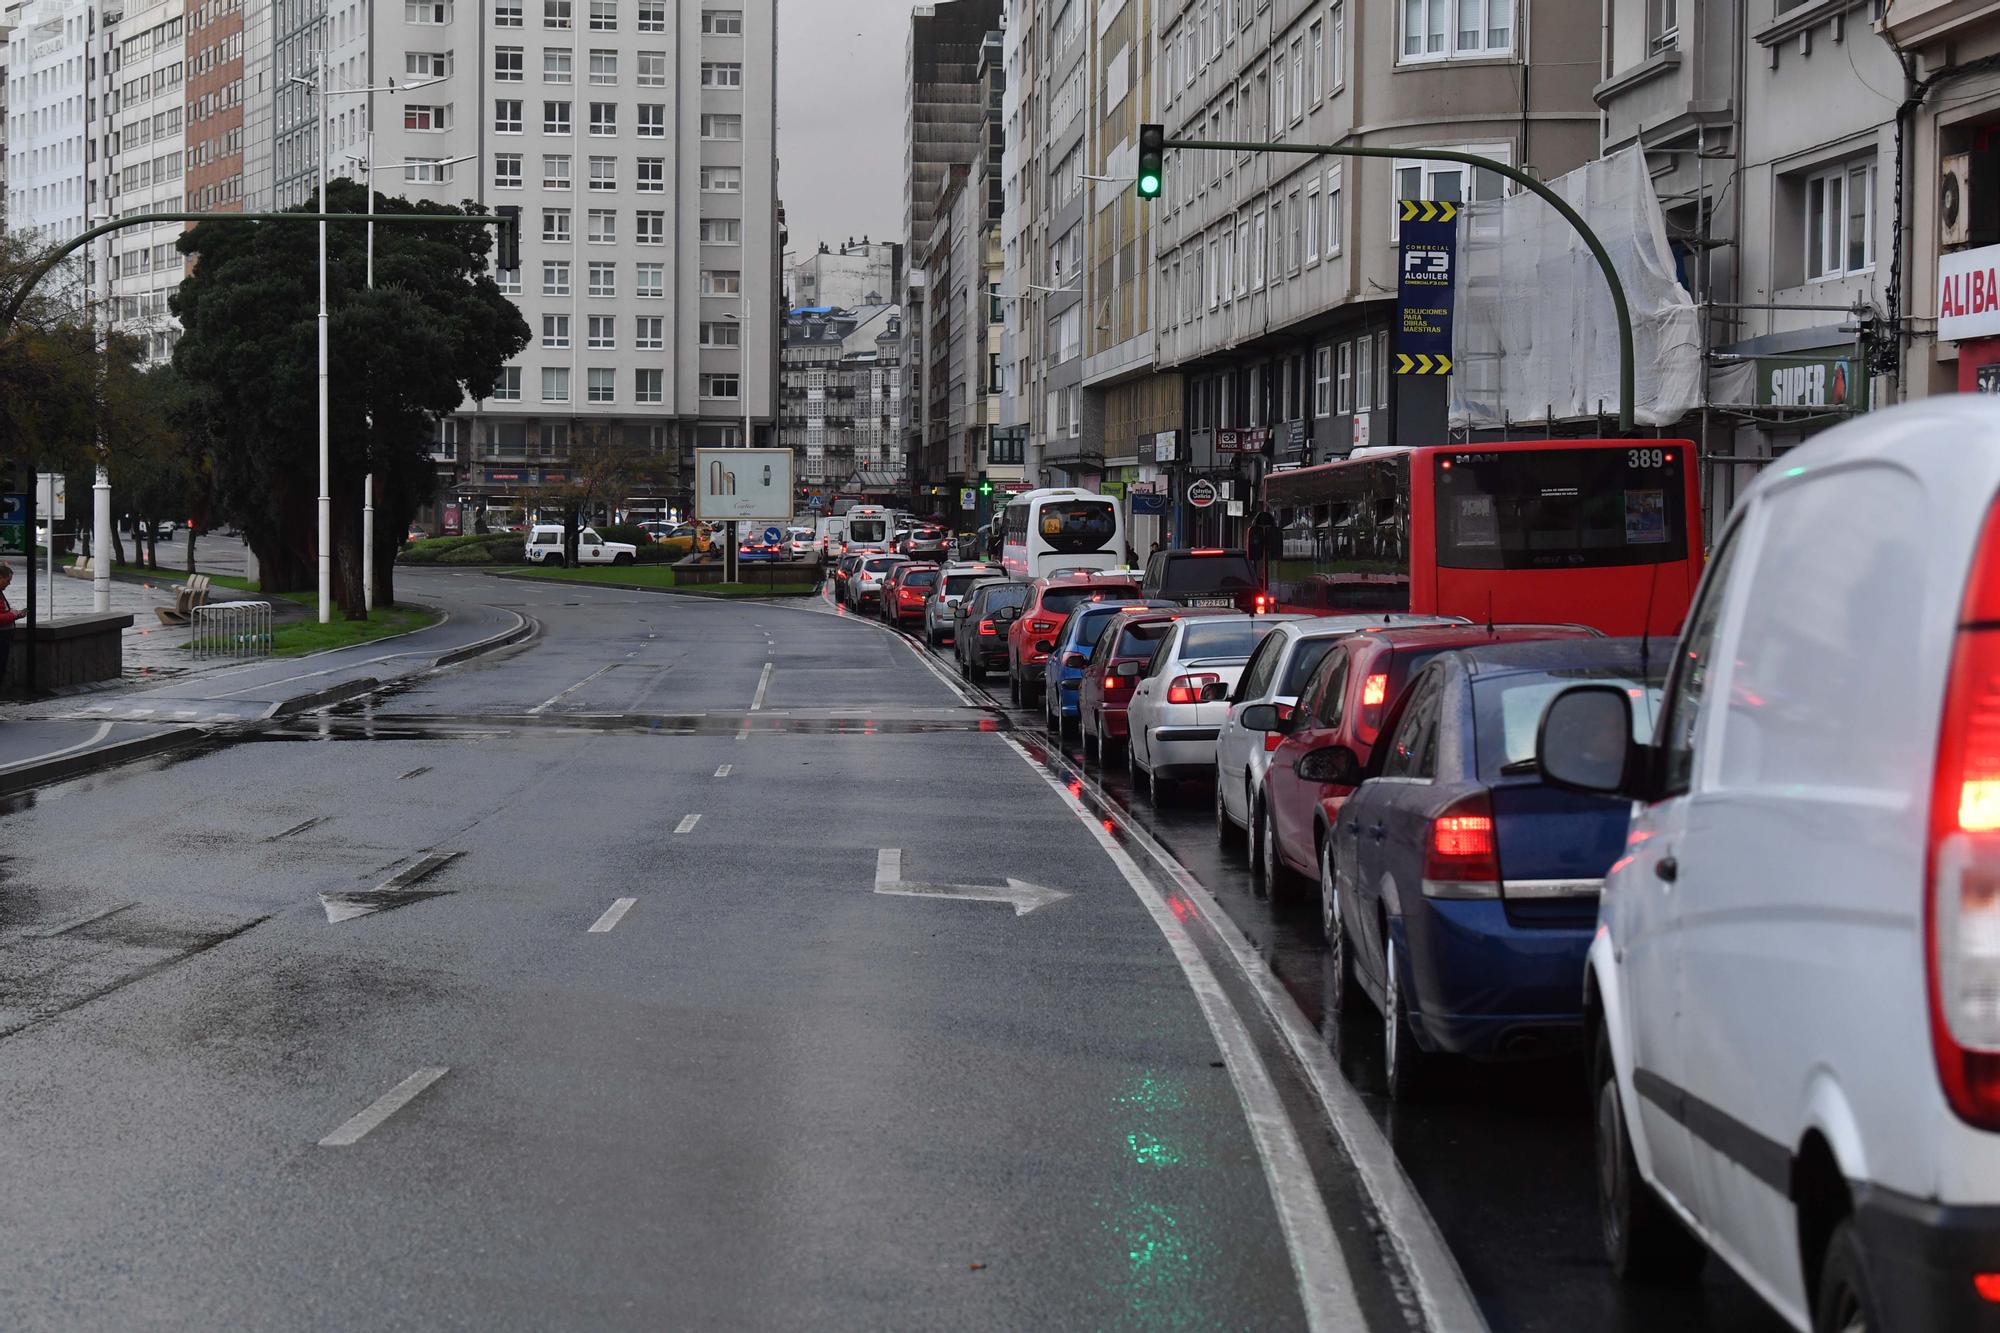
(986, 627)
(1962, 900)
(1208, 550)
(1461, 857)
(1374, 690)
(1113, 683)
(1987, 1285)
(1262, 604)
(1187, 689)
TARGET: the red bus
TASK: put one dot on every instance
(1590, 532)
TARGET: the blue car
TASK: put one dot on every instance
(1463, 891)
(1062, 678)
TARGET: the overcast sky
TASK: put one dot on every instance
(840, 119)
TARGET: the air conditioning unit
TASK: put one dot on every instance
(1955, 199)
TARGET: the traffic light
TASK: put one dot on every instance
(509, 257)
(1152, 160)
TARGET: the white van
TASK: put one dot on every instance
(1794, 992)
(545, 547)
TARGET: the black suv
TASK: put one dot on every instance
(980, 636)
(1205, 577)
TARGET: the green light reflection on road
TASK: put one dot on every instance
(1167, 1269)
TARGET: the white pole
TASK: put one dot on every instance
(100, 543)
(368, 542)
(325, 465)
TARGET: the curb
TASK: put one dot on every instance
(40, 774)
(664, 592)
(525, 629)
(332, 694)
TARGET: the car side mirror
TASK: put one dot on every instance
(1585, 740)
(1214, 692)
(1125, 669)
(1260, 717)
(1335, 765)
(1078, 660)
(1045, 645)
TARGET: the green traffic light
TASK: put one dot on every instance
(1149, 187)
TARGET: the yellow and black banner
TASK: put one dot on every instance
(1425, 288)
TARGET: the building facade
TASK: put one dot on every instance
(858, 273)
(144, 155)
(841, 394)
(50, 61)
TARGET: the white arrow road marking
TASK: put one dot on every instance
(389, 893)
(1024, 897)
(390, 1102)
(612, 916)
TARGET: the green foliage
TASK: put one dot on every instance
(500, 548)
(630, 533)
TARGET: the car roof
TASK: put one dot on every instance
(1335, 627)
(1272, 620)
(1534, 657)
(1470, 636)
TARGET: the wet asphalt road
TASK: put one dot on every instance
(762, 1096)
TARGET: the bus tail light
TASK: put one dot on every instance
(1461, 855)
(1187, 689)
(1962, 896)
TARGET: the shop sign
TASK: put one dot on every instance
(1166, 446)
(1202, 493)
(452, 520)
(1111, 488)
(1969, 293)
(1242, 439)
(503, 476)
(1791, 381)
(1148, 502)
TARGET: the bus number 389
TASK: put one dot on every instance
(1645, 458)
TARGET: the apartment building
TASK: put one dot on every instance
(1277, 272)
(216, 52)
(854, 274)
(50, 62)
(142, 149)
(841, 393)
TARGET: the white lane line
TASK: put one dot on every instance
(557, 698)
(612, 916)
(763, 684)
(687, 824)
(1326, 1288)
(390, 1102)
(723, 772)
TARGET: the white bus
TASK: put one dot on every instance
(1061, 528)
(869, 525)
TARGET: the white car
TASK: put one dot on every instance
(545, 547)
(1794, 991)
(865, 583)
(1276, 674)
(941, 606)
(1180, 701)
(800, 543)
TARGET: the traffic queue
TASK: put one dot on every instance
(1743, 858)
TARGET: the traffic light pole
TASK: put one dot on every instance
(1620, 307)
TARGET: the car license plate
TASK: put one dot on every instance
(1212, 601)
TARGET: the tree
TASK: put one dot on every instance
(603, 464)
(434, 331)
(50, 367)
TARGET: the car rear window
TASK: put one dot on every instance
(1142, 639)
(1090, 626)
(1507, 712)
(876, 564)
(921, 578)
(1004, 594)
(1186, 574)
(1229, 639)
(956, 584)
(1061, 601)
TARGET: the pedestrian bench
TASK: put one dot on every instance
(185, 601)
(82, 569)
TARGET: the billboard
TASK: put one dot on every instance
(754, 484)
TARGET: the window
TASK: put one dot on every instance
(718, 386)
(506, 171)
(506, 13)
(1663, 23)
(721, 74)
(601, 226)
(1298, 103)
(558, 65)
(653, 121)
(426, 117)
(649, 333)
(1277, 90)
(652, 15)
(1295, 247)
(426, 64)
(555, 171)
(652, 71)
(557, 14)
(555, 277)
(1322, 381)
(721, 282)
(1277, 241)
(555, 384)
(507, 116)
(555, 118)
(1334, 221)
(724, 333)
(1693, 665)
(508, 389)
(1310, 215)
(508, 280)
(647, 386)
(721, 180)
(1343, 401)
(652, 174)
(1413, 748)
(1444, 29)
(649, 227)
(603, 279)
(604, 119)
(1364, 373)
(1316, 63)
(721, 231)
(600, 384)
(1257, 256)
(604, 67)
(1840, 221)
(722, 23)
(721, 127)
(555, 331)
(1240, 257)
(427, 170)
(555, 225)
(1445, 181)
(1337, 51)
(426, 11)
(507, 66)
(603, 173)
(599, 332)
(651, 280)
(604, 15)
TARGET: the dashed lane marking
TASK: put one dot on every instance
(723, 772)
(612, 916)
(687, 824)
(390, 1102)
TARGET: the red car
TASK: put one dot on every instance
(1123, 651)
(904, 591)
(1050, 601)
(1342, 708)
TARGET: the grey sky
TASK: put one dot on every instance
(840, 118)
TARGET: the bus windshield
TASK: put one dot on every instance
(1077, 527)
(1560, 508)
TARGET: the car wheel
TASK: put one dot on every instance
(1084, 738)
(1405, 1064)
(1161, 790)
(1225, 828)
(1253, 839)
(556, 560)
(1643, 1240)
(1013, 688)
(1270, 864)
(1343, 990)
(1845, 1304)
(626, 558)
(1131, 763)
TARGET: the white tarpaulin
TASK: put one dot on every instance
(1534, 335)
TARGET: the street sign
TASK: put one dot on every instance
(772, 536)
(747, 484)
(51, 495)
(1202, 494)
(13, 525)
(967, 497)
(1428, 233)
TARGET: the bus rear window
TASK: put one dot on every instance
(1077, 527)
(1561, 508)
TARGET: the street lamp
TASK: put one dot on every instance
(318, 85)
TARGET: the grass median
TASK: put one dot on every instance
(661, 576)
(296, 638)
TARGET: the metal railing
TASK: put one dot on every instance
(230, 629)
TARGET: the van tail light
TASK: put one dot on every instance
(986, 628)
(1187, 689)
(1962, 901)
(1461, 854)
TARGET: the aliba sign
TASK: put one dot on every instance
(1969, 294)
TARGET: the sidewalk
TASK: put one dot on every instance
(165, 702)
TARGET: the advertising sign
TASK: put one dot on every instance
(1242, 439)
(1202, 494)
(1164, 450)
(452, 520)
(754, 484)
(1791, 381)
(51, 495)
(1428, 232)
(1969, 294)
(13, 525)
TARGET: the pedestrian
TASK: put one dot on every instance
(8, 615)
